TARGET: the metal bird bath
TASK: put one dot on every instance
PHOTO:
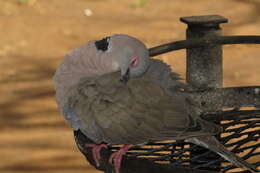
(204, 71)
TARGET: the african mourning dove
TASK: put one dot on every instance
(115, 93)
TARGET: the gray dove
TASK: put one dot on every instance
(115, 93)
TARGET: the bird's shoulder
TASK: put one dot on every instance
(162, 74)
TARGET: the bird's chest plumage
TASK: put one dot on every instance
(112, 111)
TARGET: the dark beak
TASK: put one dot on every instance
(125, 77)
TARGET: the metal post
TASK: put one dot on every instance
(204, 65)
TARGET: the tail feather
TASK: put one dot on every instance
(211, 143)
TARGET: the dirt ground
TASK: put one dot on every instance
(36, 35)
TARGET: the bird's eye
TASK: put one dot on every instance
(134, 61)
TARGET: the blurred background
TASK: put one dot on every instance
(35, 35)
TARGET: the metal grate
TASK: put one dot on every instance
(241, 135)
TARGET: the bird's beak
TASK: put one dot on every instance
(125, 77)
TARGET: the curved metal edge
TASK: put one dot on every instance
(230, 97)
(231, 114)
(194, 43)
(129, 164)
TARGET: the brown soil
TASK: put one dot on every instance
(36, 35)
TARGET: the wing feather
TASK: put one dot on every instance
(135, 113)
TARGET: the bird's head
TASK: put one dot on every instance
(129, 56)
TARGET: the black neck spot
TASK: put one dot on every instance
(102, 44)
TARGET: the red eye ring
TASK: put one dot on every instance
(134, 61)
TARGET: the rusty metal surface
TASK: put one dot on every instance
(204, 69)
(231, 97)
(208, 20)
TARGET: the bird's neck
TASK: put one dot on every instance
(70, 73)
